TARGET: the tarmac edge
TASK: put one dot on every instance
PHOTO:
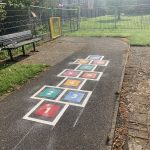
(110, 137)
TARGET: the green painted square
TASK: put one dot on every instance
(50, 93)
(86, 67)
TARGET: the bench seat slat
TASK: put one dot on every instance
(16, 45)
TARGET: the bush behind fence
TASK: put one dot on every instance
(37, 19)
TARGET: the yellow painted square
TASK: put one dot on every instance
(83, 61)
(73, 83)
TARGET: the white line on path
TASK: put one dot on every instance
(76, 121)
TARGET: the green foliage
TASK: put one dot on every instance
(22, 3)
(17, 3)
(2, 12)
(17, 74)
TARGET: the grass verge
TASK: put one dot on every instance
(129, 27)
(135, 37)
(15, 75)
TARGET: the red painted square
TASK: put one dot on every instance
(48, 110)
(89, 75)
(71, 73)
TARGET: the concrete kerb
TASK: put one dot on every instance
(110, 137)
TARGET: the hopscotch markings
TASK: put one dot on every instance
(38, 94)
(95, 57)
(72, 83)
(49, 92)
(46, 112)
(56, 99)
(86, 67)
(89, 75)
(76, 97)
(81, 61)
(60, 99)
(70, 73)
(100, 62)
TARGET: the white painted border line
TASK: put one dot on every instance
(58, 85)
(95, 55)
(60, 75)
(82, 84)
(45, 86)
(53, 123)
(107, 62)
(60, 96)
(95, 66)
(75, 62)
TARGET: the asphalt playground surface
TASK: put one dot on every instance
(78, 127)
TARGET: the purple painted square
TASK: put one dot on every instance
(71, 73)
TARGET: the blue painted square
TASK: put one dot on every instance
(75, 97)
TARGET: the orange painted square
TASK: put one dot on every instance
(73, 83)
(83, 61)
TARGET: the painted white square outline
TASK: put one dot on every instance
(107, 62)
(75, 62)
(35, 96)
(95, 66)
(97, 79)
(79, 76)
(60, 74)
(95, 59)
(85, 101)
(81, 85)
(53, 123)
(58, 100)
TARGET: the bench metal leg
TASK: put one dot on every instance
(23, 51)
(34, 47)
(10, 54)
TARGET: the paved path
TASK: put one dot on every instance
(67, 113)
(137, 81)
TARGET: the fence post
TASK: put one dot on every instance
(141, 19)
(78, 18)
(29, 14)
(116, 17)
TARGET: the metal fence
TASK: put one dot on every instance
(127, 17)
(37, 19)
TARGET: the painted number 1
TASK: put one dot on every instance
(47, 110)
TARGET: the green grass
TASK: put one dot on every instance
(14, 75)
(130, 27)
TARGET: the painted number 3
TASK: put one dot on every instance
(74, 96)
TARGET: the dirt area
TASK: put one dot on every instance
(133, 123)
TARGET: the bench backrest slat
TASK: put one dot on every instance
(15, 38)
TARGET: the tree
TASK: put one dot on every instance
(119, 5)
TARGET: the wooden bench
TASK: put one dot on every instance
(13, 41)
